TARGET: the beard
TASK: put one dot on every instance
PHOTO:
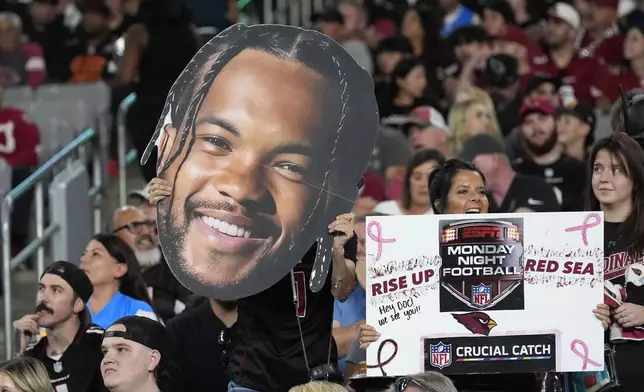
(148, 258)
(544, 148)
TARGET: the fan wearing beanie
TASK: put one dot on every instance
(508, 191)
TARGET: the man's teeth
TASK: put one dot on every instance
(225, 227)
(472, 210)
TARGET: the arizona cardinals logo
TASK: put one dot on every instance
(476, 322)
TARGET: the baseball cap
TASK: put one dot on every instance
(567, 13)
(537, 80)
(74, 276)
(396, 43)
(424, 116)
(79, 282)
(384, 27)
(501, 70)
(536, 105)
(481, 144)
(141, 193)
(145, 331)
(583, 112)
(329, 15)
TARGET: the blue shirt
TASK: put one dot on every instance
(350, 312)
(120, 306)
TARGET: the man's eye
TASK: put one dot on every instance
(291, 167)
(217, 142)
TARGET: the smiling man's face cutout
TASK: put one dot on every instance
(253, 182)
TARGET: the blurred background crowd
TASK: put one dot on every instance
(521, 88)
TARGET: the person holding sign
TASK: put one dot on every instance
(315, 309)
(616, 176)
(262, 145)
(458, 187)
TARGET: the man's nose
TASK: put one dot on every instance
(243, 181)
(108, 357)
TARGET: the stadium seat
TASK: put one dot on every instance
(58, 122)
(18, 97)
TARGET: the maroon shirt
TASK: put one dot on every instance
(607, 48)
(587, 75)
(19, 138)
(629, 80)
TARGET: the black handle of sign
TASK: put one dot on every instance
(381, 364)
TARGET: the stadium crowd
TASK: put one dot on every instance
(485, 106)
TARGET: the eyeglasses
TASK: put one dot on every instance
(137, 227)
(224, 342)
(403, 382)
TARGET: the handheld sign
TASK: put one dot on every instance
(499, 293)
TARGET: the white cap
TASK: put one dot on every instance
(567, 13)
(427, 116)
(141, 193)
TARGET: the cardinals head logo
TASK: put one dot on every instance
(635, 274)
(476, 322)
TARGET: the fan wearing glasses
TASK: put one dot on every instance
(423, 382)
(131, 225)
(168, 296)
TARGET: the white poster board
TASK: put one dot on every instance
(494, 293)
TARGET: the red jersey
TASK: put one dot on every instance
(19, 138)
(629, 80)
(588, 76)
(607, 48)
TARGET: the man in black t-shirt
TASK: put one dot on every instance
(509, 190)
(199, 342)
(284, 332)
(71, 349)
(545, 158)
(269, 355)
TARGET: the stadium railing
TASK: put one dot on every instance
(65, 214)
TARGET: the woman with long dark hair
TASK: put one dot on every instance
(616, 179)
(632, 72)
(119, 289)
(415, 197)
(406, 88)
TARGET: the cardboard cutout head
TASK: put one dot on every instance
(264, 138)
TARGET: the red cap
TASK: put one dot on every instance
(384, 27)
(536, 105)
(607, 3)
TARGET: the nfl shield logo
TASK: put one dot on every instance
(481, 295)
(440, 355)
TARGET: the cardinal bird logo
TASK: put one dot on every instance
(478, 323)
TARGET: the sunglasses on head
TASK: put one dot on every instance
(403, 382)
